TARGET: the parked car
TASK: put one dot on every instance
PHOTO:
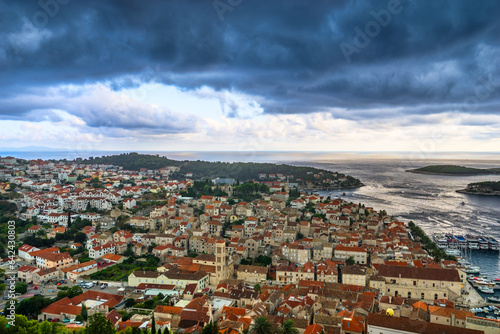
(66, 320)
(55, 320)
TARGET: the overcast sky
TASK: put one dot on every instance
(251, 75)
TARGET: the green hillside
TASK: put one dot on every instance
(133, 161)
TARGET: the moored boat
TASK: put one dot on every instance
(472, 270)
(483, 243)
(485, 289)
(493, 243)
(494, 299)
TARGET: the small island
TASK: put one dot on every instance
(487, 188)
(453, 170)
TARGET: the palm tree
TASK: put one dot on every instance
(288, 327)
(261, 326)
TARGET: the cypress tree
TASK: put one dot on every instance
(84, 312)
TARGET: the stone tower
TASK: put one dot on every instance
(220, 260)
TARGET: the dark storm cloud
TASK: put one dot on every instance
(427, 55)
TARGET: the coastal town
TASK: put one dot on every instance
(157, 251)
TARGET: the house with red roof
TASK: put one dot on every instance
(99, 251)
(66, 308)
(25, 250)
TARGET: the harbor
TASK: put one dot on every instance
(481, 303)
(452, 244)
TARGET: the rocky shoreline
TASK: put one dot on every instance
(331, 188)
(480, 193)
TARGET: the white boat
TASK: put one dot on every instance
(483, 243)
(440, 240)
(492, 243)
(452, 252)
(484, 289)
(472, 241)
(472, 270)
(494, 299)
(485, 310)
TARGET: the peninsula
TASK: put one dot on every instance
(487, 188)
(453, 170)
(299, 177)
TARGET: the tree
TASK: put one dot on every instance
(257, 287)
(136, 330)
(80, 237)
(129, 302)
(350, 261)
(152, 262)
(21, 287)
(21, 325)
(129, 252)
(150, 248)
(98, 324)
(211, 328)
(69, 219)
(46, 328)
(166, 331)
(288, 327)
(32, 306)
(84, 312)
(153, 325)
(265, 260)
(79, 318)
(261, 326)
